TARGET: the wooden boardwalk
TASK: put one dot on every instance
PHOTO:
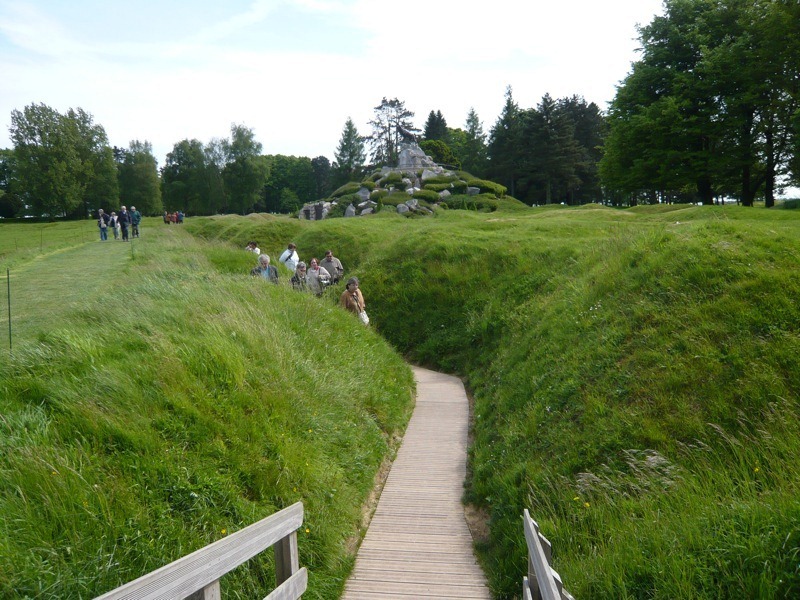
(418, 544)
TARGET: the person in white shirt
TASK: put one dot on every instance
(253, 247)
(290, 258)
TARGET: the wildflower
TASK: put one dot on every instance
(576, 499)
(224, 531)
(308, 530)
(586, 504)
(756, 470)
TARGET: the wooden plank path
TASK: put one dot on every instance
(418, 544)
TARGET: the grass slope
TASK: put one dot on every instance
(156, 401)
(635, 375)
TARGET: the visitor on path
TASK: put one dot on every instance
(353, 300)
(299, 280)
(265, 270)
(317, 277)
(166, 218)
(124, 219)
(136, 218)
(102, 223)
(333, 266)
(253, 247)
(290, 258)
(180, 217)
(114, 224)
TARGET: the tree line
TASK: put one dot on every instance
(711, 110)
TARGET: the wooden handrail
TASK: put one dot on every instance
(542, 582)
(197, 575)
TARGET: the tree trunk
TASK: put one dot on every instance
(769, 183)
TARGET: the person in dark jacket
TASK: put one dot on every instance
(136, 218)
(124, 218)
(265, 270)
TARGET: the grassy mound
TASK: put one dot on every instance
(174, 401)
(635, 376)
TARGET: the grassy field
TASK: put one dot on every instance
(158, 398)
(635, 375)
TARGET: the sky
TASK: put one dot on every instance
(294, 71)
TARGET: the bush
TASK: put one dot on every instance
(427, 195)
(378, 194)
(481, 203)
(348, 188)
(395, 198)
(436, 187)
(369, 184)
(337, 210)
(448, 179)
(489, 187)
(459, 187)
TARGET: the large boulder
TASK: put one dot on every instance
(412, 157)
(363, 193)
(444, 194)
(350, 211)
(402, 209)
(473, 191)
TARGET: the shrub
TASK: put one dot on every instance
(378, 194)
(337, 210)
(436, 187)
(489, 187)
(348, 188)
(448, 179)
(427, 195)
(395, 198)
(459, 187)
(369, 184)
(480, 203)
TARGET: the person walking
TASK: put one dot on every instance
(136, 218)
(353, 300)
(102, 223)
(265, 270)
(299, 280)
(290, 258)
(333, 266)
(317, 277)
(124, 219)
(113, 222)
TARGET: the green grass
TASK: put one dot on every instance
(635, 380)
(157, 400)
(634, 373)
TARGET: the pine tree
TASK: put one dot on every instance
(350, 153)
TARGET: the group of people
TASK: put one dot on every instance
(174, 218)
(123, 225)
(314, 277)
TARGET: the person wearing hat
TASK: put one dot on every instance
(353, 300)
(136, 218)
(299, 281)
(290, 258)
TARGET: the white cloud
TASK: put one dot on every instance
(434, 55)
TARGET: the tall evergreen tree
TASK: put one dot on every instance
(474, 156)
(436, 127)
(322, 176)
(350, 154)
(505, 145)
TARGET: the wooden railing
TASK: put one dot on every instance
(542, 582)
(197, 575)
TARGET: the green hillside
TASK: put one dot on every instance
(158, 398)
(635, 376)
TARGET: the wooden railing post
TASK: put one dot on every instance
(542, 582)
(287, 558)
